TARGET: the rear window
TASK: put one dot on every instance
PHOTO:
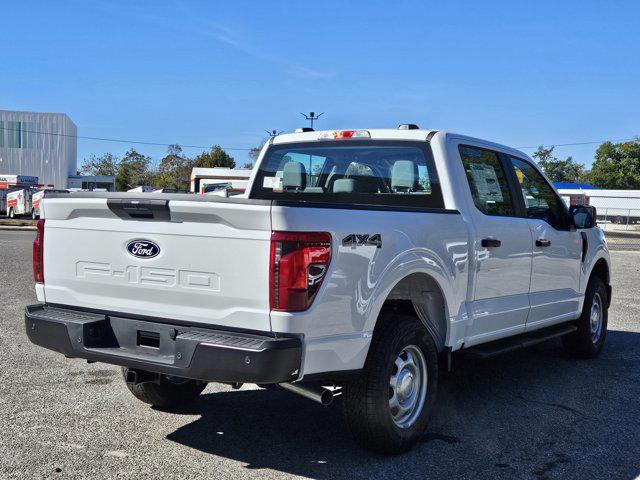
(360, 172)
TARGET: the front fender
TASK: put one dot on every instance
(597, 250)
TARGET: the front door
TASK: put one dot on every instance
(557, 249)
(503, 249)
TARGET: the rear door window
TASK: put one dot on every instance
(394, 173)
(487, 181)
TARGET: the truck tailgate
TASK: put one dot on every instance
(210, 263)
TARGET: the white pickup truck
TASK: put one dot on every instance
(356, 264)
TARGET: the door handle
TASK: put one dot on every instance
(490, 242)
(541, 242)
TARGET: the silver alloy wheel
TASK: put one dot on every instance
(408, 386)
(596, 317)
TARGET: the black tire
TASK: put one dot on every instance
(366, 400)
(585, 342)
(12, 215)
(34, 216)
(170, 392)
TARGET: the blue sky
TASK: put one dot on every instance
(206, 73)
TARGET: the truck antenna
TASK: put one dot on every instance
(311, 117)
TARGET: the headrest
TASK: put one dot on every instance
(365, 184)
(404, 175)
(359, 184)
(294, 176)
(344, 185)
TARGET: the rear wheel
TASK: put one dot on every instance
(169, 392)
(34, 216)
(588, 340)
(12, 214)
(387, 408)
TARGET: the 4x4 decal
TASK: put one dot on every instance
(362, 239)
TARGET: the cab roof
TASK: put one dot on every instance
(418, 134)
(376, 134)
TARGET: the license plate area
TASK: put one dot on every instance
(148, 339)
(137, 339)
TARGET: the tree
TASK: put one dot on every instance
(217, 157)
(174, 170)
(617, 165)
(248, 165)
(254, 153)
(558, 170)
(134, 170)
(106, 164)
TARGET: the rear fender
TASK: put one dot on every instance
(421, 261)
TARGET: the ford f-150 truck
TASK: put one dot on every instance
(357, 263)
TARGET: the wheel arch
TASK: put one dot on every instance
(421, 295)
(602, 270)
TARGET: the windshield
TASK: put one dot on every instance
(363, 172)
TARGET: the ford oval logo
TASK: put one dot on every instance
(143, 248)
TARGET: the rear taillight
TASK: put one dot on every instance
(38, 257)
(299, 263)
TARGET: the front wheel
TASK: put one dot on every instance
(169, 392)
(588, 340)
(387, 408)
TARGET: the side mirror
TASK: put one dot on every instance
(583, 216)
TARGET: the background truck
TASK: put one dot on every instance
(9, 183)
(36, 200)
(357, 264)
(19, 202)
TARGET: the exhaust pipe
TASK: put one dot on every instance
(321, 395)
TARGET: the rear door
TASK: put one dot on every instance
(502, 243)
(557, 248)
(199, 260)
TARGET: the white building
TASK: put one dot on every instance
(203, 179)
(42, 145)
(92, 182)
(618, 206)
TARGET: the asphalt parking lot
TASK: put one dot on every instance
(530, 414)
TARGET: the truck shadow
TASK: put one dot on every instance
(532, 413)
